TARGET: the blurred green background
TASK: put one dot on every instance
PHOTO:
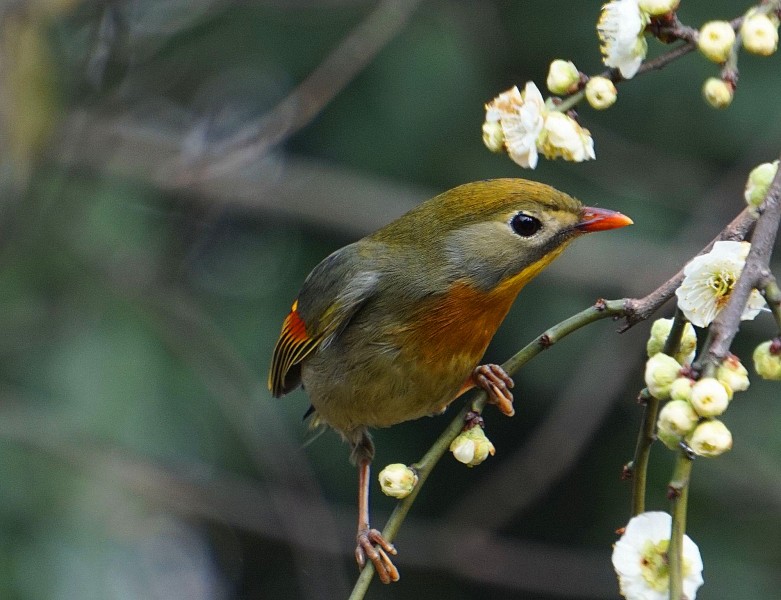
(166, 187)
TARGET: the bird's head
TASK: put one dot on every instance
(494, 230)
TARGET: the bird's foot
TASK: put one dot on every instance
(371, 545)
(495, 380)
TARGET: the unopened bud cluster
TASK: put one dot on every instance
(690, 414)
(564, 78)
(716, 41)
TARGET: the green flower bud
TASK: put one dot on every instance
(563, 77)
(710, 438)
(669, 439)
(472, 447)
(767, 361)
(681, 389)
(601, 93)
(759, 181)
(660, 372)
(397, 480)
(660, 331)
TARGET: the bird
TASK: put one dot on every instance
(392, 327)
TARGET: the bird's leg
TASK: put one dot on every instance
(495, 380)
(370, 542)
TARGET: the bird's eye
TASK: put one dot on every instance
(524, 225)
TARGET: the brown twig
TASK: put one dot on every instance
(754, 275)
(639, 309)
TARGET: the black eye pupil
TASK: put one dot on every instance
(524, 225)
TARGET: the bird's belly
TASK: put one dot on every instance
(385, 370)
(384, 389)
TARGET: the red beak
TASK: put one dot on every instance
(601, 219)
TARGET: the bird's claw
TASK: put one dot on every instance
(495, 380)
(371, 545)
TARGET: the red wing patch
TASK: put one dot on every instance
(293, 345)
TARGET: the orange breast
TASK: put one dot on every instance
(452, 332)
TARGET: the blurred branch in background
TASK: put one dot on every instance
(289, 186)
(197, 490)
(353, 54)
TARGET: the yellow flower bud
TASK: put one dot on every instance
(767, 363)
(656, 8)
(397, 480)
(716, 40)
(677, 417)
(710, 438)
(717, 92)
(733, 374)
(759, 34)
(601, 93)
(709, 397)
(563, 77)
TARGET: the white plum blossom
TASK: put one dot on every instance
(708, 282)
(525, 126)
(640, 559)
(563, 137)
(521, 116)
(620, 28)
